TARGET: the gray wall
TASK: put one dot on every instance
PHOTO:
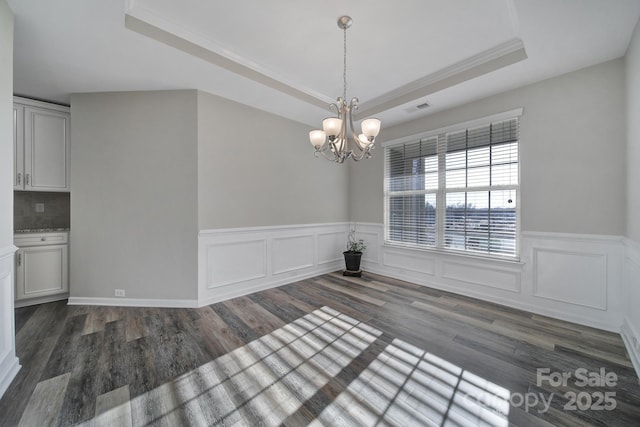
(6, 125)
(258, 169)
(633, 136)
(133, 195)
(572, 152)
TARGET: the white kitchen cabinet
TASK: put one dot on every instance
(42, 265)
(41, 146)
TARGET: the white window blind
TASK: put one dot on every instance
(456, 190)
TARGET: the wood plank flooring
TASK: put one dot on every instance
(330, 350)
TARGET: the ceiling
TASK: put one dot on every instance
(286, 56)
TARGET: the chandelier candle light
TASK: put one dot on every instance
(338, 139)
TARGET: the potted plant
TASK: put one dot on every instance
(353, 254)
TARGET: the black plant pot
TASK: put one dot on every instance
(352, 260)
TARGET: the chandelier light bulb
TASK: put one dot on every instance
(371, 127)
(317, 138)
(332, 126)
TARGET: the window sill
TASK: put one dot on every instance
(507, 261)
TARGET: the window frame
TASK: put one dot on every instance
(442, 190)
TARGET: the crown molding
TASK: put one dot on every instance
(500, 56)
(149, 24)
(145, 21)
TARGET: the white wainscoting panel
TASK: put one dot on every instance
(326, 247)
(631, 325)
(239, 261)
(292, 253)
(235, 262)
(474, 273)
(371, 240)
(574, 277)
(406, 261)
(9, 364)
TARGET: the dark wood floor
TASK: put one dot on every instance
(324, 351)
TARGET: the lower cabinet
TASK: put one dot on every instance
(42, 265)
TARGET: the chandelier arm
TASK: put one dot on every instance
(363, 154)
(354, 106)
(335, 155)
(324, 154)
(335, 107)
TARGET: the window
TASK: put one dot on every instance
(455, 190)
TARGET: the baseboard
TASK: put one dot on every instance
(135, 302)
(632, 343)
(235, 291)
(10, 371)
(40, 300)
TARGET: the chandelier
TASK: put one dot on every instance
(338, 139)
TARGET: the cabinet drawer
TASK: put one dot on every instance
(40, 239)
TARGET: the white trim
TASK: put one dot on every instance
(9, 363)
(517, 112)
(9, 372)
(471, 256)
(135, 302)
(631, 340)
(572, 236)
(630, 331)
(41, 104)
(139, 19)
(633, 250)
(484, 62)
(7, 251)
(40, 300)
(247, 230)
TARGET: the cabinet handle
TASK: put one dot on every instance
(19, 178)
(26, 179)
(19, 259)
(43, 239)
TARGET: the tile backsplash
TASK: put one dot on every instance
(56, 210)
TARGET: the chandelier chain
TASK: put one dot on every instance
(344, 72)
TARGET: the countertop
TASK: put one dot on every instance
(41, 230)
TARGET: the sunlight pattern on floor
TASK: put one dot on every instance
(268, 380)
(408, 386)
(263, 382)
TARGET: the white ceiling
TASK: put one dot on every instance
(285, 56)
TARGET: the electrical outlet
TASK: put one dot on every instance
(119, 292)
(39, 207)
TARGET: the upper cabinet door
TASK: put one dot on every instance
(18, 147)
(46, 150)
